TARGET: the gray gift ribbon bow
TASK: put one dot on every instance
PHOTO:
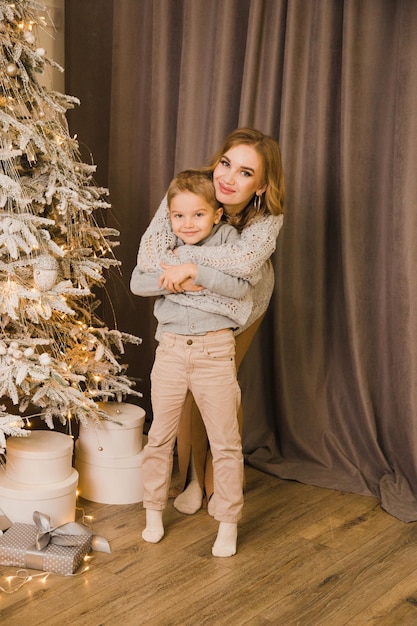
(65, 535)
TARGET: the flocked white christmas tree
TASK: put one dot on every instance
(57, 358)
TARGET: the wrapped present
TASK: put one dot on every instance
(60, 550)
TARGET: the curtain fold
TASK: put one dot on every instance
(329, 384)
(379, 301)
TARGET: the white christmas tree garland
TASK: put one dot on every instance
(56, 354)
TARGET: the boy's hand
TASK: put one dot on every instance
(179, 278)
(189, 285)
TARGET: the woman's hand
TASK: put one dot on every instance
(179, 278)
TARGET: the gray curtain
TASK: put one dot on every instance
(330, 383)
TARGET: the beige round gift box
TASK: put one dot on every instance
(119, 437)
(41, 458)
(109, 480)
(18, 501)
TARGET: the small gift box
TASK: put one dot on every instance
(60, 550)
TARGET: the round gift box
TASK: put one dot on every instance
(109, 481)
(58, 500)
(41, 458)
(111, 439)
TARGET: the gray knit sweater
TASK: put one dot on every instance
(245, 257)
(225, 302)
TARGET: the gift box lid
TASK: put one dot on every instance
(41, 444)
(128, 415)
(107, 462)
(23, 491)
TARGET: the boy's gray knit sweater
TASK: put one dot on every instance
(224, 303)
(248, 257)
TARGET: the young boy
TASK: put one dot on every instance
(195, 353)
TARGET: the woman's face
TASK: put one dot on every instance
(237, 177)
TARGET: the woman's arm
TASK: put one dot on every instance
(242, 258)
(177, 277)
(158, 242)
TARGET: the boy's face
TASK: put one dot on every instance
(192, 217)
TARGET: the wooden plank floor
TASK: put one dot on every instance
(306, 556)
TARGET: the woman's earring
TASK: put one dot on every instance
(257, 202)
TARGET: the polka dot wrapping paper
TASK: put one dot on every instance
(17, 548)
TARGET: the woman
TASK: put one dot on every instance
(249, 183)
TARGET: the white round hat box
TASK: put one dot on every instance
(58, 499)
(119, 437)
(109, 480)
(41, 458)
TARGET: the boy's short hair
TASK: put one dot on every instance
(199, 182)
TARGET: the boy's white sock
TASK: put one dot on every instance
(154, 530)
(191, 499)
(225, 544)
